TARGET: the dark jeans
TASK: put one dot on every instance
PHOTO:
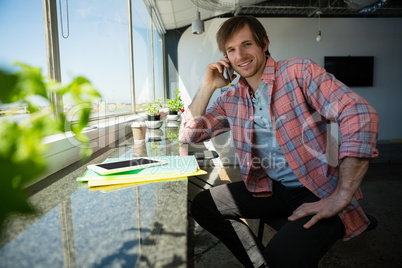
(219, 209)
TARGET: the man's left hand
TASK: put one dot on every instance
(325, 208)
(351, 174)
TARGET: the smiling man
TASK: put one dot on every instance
(279, 113)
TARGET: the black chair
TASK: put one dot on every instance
(278, 223)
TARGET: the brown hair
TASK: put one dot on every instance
(233, 25)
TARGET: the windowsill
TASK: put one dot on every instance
(64, 149)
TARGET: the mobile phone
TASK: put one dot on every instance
(228, 72)
(125, 165)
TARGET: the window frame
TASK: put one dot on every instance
(53, 55)
(103, 130)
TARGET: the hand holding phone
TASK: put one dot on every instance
(228, 73)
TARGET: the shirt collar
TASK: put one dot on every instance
(269, 71)
(267, 75)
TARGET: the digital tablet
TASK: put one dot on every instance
(126, 165)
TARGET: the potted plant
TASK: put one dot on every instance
(176, 104)
(153, 114)
(153, 110)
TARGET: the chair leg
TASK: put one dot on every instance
(261, 230)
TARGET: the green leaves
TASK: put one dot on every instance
(8, 82)
(153, 108)
(175, 104)
(21, 148)
(21, 85)
(83, 94)
(30, 82)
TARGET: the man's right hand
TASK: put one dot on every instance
(213, 77)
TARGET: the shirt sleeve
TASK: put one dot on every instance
(211, 124)
(357, 120)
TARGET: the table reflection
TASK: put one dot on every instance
(130, 225)
(158, 142)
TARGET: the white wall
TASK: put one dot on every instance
(295, 37)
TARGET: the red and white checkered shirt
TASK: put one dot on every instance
(304, 99)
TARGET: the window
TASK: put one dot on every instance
(23, 40)
(158, 63)
(93, 38)
(93, 42)
(143, 80)
(148, 57)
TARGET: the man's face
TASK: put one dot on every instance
(245, 55)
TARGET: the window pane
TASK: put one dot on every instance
(158, 78)
(142, 55)
(23, 40)
(97, 47)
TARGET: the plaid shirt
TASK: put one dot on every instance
(304, 99)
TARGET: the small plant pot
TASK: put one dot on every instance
(172, 123)
(154, 117)
(154, 124)
(173, 116)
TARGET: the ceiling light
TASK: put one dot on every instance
(198, 25)
(319, 37)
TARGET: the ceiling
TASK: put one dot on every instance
(175, 14)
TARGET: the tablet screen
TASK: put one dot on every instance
(127, 163)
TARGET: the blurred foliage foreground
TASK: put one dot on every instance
(21, 148)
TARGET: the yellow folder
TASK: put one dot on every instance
(176, 167)
(115, 187)
(144, 179)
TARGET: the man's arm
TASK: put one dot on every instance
(358, 124)
(351, 174)
(193, 130)
(213, 79)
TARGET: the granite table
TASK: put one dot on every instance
(136, 226)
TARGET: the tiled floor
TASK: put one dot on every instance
(381, 247)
